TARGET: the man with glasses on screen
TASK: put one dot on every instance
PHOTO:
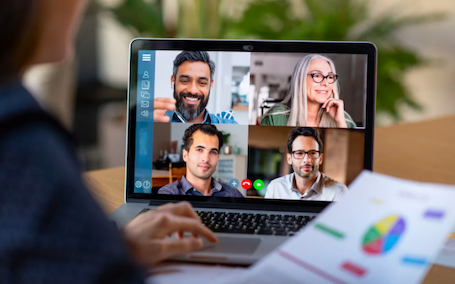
(191, 81)
(306, 182)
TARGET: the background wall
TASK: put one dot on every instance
(433, 86)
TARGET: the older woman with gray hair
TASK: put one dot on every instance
(313, 97)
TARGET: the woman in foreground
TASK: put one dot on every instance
(51, 230)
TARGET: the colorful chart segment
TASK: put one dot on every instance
(384, 235)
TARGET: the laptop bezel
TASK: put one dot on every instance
(366, 48)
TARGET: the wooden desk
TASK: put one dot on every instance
(422, 151)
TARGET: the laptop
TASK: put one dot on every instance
(272, 175)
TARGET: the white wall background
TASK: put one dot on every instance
(433, 86)
(113, 51)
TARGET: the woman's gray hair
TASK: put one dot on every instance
(296, 99)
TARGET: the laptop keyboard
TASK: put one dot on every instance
(259, 224)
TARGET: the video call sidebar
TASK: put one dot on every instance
(144, 121)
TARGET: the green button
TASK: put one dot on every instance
(258, 184)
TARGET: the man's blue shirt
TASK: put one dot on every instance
(184, 187)
(225, 117)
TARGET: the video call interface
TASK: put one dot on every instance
(283, 126)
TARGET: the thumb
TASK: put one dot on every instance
(180, 246)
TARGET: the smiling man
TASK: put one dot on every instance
(306, 182)
(202, 144)
(191, 81)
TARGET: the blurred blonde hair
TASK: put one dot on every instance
(296, 99)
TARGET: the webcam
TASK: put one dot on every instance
(248, 47)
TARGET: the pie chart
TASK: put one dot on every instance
(384, 235)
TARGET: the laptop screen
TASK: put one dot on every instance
(241, 124)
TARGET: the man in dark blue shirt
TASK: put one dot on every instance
(202, 143)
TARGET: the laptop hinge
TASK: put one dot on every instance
(249, 207)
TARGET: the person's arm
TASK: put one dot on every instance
(145, 235)
(52, 229)
(54, 232)
(335, 108)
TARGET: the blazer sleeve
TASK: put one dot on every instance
(52, 231)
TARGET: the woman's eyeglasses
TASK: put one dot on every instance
(318, 77)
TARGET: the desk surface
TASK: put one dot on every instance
(423, 151)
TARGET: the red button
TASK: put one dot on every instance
(246, 183)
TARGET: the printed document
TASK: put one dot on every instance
(384, 230)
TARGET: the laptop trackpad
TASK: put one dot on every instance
(235, 245)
